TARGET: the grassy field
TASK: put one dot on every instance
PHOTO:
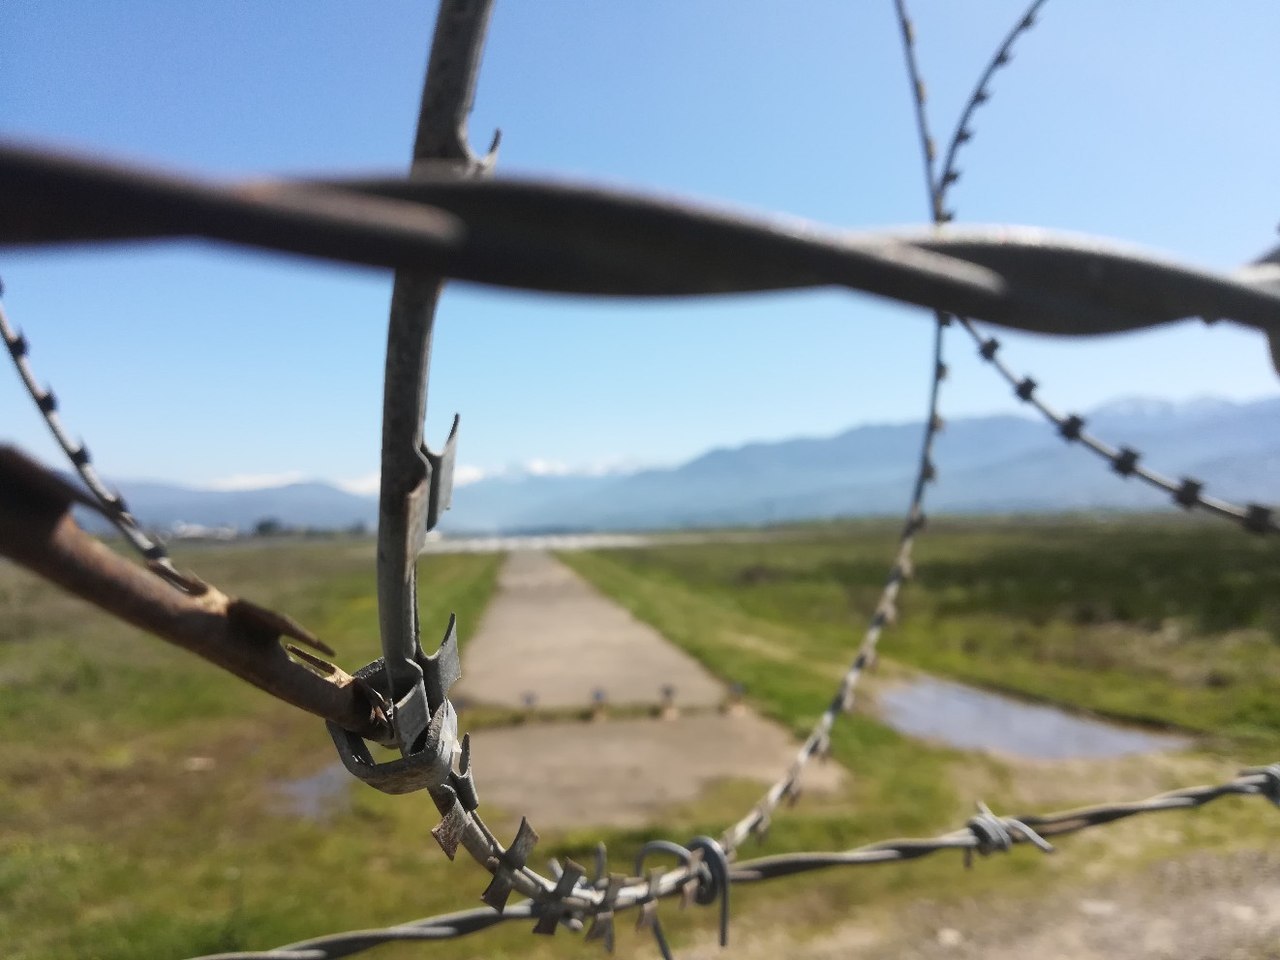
(141, 813)
(1166, 621)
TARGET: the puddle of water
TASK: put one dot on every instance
(319, 796)
(972, 719)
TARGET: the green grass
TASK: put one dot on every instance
(141, 814)
(111, 846)
(1157, 621)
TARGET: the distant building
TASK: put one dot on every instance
(198, 531)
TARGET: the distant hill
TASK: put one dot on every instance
(996, 464)
(314, 505)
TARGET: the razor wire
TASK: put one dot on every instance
(540, 235)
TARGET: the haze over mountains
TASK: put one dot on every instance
(993, 464)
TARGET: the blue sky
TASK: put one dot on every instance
(1146, 121)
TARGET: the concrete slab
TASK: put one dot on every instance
(550, 634)
(625, 773)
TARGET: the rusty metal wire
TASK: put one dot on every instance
(566, 238)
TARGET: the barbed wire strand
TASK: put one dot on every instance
(110, 503)
(410, 476)
(984, 834)
(1188, 492)
(885, 609)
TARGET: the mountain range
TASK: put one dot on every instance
(991, 464)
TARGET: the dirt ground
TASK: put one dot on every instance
(1200, 907)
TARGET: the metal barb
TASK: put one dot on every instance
(602, 927)
(506, 864)
(994, 834)
(552, 911)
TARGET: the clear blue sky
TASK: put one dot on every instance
(1149, 121)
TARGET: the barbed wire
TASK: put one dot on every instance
(1188, 492)
(509, 867)
(984, 834)
(568, 238)
(818, 741)
(109, 503)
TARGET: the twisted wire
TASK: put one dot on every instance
(567, 238)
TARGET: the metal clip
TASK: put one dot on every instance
(424, 722)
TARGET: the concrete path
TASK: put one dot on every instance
(550, 634)
(624, 773)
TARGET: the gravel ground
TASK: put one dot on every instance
(1200, 907)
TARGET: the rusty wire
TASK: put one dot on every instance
(566, 238)
(237, 635)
